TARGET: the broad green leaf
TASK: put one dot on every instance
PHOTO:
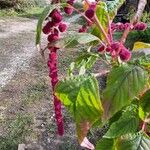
(42, 17)
(140, 45)
(72, 39)
(102, 15)
(124, 83)
(127, 123)
(137, 141)
(87, 59)
(81, 96)
(145, 102)
(105, 144)
(113, 7)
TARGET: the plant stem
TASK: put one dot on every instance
(109, 30)
(102, 29)
(144, 126)
(82, 14)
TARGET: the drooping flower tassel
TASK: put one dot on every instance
(52, 64)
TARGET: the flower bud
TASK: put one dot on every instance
(89, 13)
(140, 26)
(56, 16)
(101, 48)
(125, 55)
(47, 28)
(108, 49)
(68, 10)
(62, 27)
(53, 37)
(115, 46)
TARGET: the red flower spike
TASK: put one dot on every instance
(62, 27)
(52, 64)
(125, 55)
(89, 13)
(101, 48)
(68, 10)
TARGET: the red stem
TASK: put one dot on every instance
(52, 64)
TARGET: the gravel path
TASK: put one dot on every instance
(16, 46)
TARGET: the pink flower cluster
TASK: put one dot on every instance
(116, 49)
(54, 26)
(121, 27)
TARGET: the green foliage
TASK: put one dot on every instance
(102, 15)
(123, 84)
(145, 103)
(127, 123)
(137, 141)
(105, 144)
(17, 131)
(81, 96)
(113, 7)
(72, 39)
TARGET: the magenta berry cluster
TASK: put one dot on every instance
(52, 65)
(54, 26)
(52, 29)
(121, 27)
(116, 49)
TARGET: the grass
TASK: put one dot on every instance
(34, 93)
(33, 12)
(16, 132)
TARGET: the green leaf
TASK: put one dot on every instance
(138, 141)
(72, 39)
(127, 123)
(81, 96)
(124, 83)
(42, 17)
(145, 102)
(87, 59)
(105, 144)
(102, 15)
(113, 7)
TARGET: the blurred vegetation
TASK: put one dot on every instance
(16, 132)
(19, 5)
(25, 8)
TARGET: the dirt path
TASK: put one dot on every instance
(16, 46)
